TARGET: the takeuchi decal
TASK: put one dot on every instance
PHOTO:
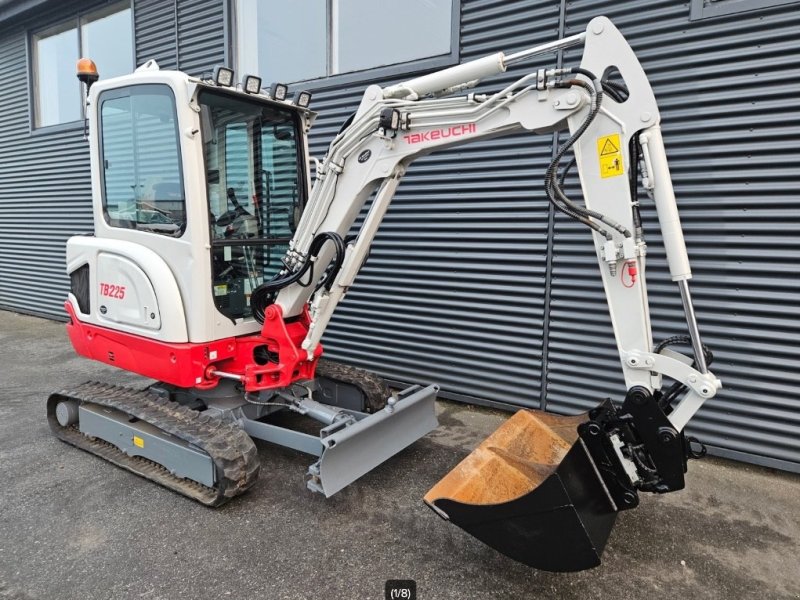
(440, 134)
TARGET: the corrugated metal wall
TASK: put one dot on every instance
(44, 186)
(454, 291)
(45, 194)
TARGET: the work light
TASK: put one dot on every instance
(251, 84)
(302, 99)
(278, 91)
(223, 76)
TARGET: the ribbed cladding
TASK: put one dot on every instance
(726, 92)
(201, 35)
(156, 32)
(44, 191)
(453, 291)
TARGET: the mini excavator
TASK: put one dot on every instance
(215, 267)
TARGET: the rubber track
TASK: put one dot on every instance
(373, 386)
(232, 451)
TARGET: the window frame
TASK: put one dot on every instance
(350, 77)
(123, 92)
(709, 9)
(74, 22)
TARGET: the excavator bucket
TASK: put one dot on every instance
(532, 491)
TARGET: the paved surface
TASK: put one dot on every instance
(72, 526)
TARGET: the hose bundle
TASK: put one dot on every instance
(264, 294)
(554, 186)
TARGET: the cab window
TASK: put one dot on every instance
(142, 182)
(254, 178)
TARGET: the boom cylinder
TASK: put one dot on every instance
(474, 70)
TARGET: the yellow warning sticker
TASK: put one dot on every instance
(138, 442)
(610, 154)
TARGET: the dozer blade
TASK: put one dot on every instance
(532, 492)
(356, 450)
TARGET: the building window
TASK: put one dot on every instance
(706, 9)
(140, 156)
(283, 42)
(105, 36)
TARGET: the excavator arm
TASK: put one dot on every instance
(540, 479)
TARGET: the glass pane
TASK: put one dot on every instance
(254, 194)
(279, 174)
(107, 38)
(143, 187)
(58, 96)
(371, 34)
(287, 38)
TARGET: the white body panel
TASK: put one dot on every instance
(149, 288)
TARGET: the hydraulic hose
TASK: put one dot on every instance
(678, 388)
(264, 294)
(550, 181)
(554, 186)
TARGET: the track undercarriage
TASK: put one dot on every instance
(200, 444)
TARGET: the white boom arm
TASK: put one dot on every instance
(395, 125)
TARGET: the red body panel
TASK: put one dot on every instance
(190, 365)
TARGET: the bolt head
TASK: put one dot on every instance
(666, 436)
(645, 117)
(597, 28)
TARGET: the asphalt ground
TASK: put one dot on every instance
(72, 526)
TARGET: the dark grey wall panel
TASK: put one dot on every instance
(454, 288)
(156, 37)
(731, 133)
(180, 34)
(201, 35)
(44, 191)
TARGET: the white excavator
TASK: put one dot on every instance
(215, 267)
